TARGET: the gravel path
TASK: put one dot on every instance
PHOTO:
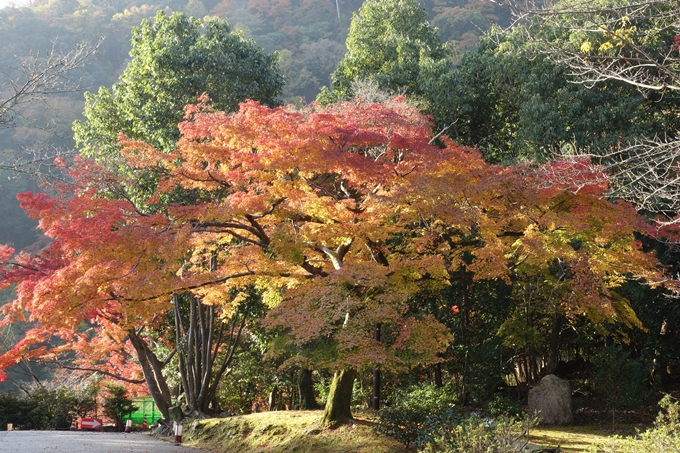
(85, 442)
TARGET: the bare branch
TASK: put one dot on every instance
(40, 77)
(39, 164)
(647, 173)
(629, 41)
(95, 370)
(35, 79)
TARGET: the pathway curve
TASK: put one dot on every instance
(85, 442)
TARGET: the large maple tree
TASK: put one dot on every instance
(340, 216)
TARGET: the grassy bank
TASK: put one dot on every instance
(289, 431)
(299, 431)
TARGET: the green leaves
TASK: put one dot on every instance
(392, 44)
(516, 106)
(175, 59)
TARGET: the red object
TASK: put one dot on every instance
(90, 423)
(454, 309)
(73, 424)
(145, 425)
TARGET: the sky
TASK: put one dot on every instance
(4, 3)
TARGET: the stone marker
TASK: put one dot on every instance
(550, 401)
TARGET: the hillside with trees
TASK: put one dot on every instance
(309, 38)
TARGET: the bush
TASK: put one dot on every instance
(663, 437)
(410, 409)
(622, 382)
(117, 404)
(53, 408)
(503, 405)
(45, 408)
(476, 434)
(16, 411)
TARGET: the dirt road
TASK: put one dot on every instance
(84, 442)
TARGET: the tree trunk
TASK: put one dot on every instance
(306, 389)
(376, 374)
(272, 399)
(337, 409)
(438, 376)
(553, 352)
(152, 367)
(210, 348)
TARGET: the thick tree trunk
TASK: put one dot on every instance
(152, 369)
(338, 406)
(306, 390)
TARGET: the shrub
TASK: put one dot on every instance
(622, 382)
(117, 404)
(663, 437)
(503, 405)
(476, 434)
(53, 408)
(16, 411)
(410, 409)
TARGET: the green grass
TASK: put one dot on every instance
(578, 438)
(289, 431)
(300, 431)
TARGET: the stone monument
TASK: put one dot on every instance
(550, 401)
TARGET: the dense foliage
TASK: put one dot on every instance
(405, 417)
(270, 246)
(47, 408)
(663, 436)
(340, 230)
(308, 36)
(388, 42)
(175, 59)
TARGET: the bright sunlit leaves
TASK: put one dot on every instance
(340, 215)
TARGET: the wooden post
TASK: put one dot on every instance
(376, 375)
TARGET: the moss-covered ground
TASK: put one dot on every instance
(289, 431)
(300, 431)
(576, 438)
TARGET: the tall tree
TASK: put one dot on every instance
(342, 216)
(632, 42)
(175, 59)
(517, 106)
(391, 43)
(386, 42)
(126, 289)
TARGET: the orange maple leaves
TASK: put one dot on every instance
(348, 208)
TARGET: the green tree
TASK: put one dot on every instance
(632, 42)
(517, 106)
(117, 403)
(391, 43)
(175, 59)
